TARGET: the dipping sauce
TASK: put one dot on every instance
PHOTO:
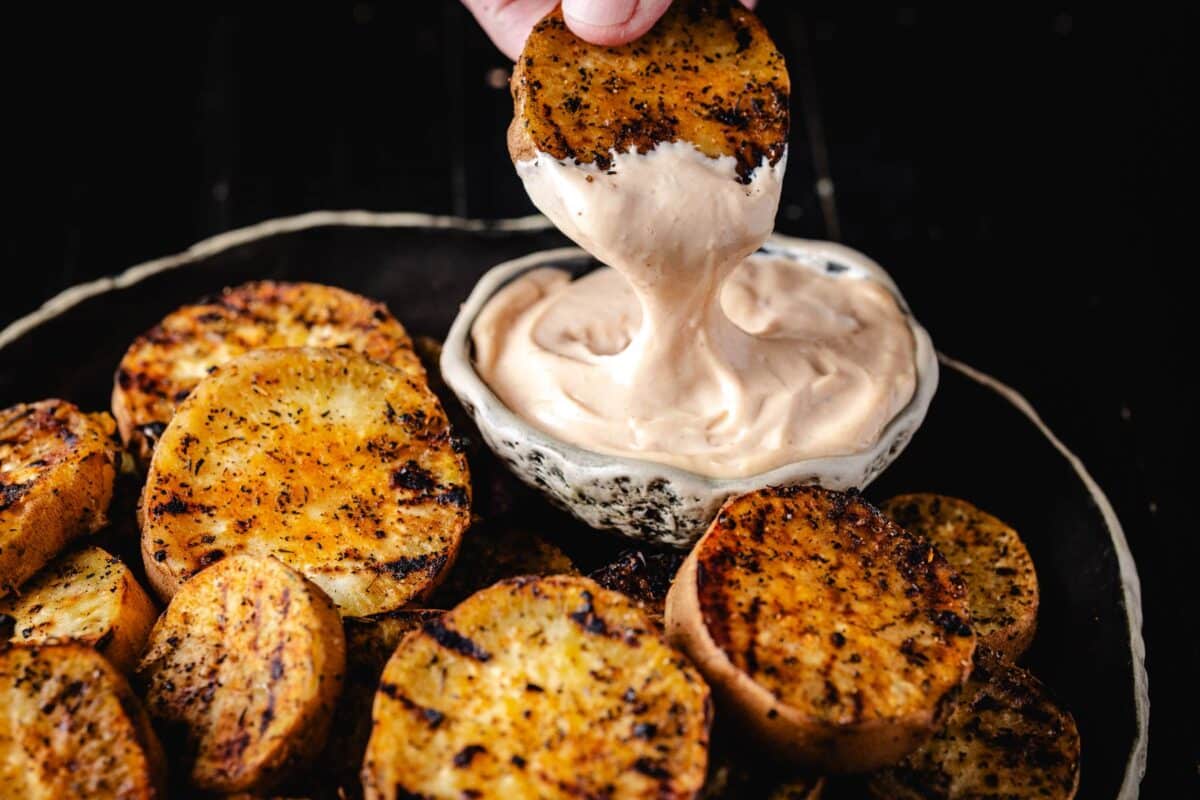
(688, 350)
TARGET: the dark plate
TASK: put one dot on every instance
(981, 440)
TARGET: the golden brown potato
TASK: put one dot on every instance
(493, 551)
(644, 577)
(88, 597)
(370, 642)
(73, 729)
(838, 639)
(547, 687)
(57, 467)
(342, 467)
(247, 661)
(1007, 738)
(163, 365)
(1002, 586)
(707, 73)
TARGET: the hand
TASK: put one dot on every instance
(608, 22)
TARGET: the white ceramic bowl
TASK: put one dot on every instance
(641, 499)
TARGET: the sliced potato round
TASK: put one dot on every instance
(645, 577)
(247, 661)
(492, 551)
(538, 687)
(838, 638)
(342, 467)
(72, 728)
(89, 597)
(707, 73)
(1002, 586)
(163, 365)
(1007, 738)
(57, 467)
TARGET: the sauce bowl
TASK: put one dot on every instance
(641, 499)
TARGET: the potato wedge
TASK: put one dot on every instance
(1007, 738)
(1002, 585)
(342, 467)
(88, 597)
(493, 551)
(247, 663)
(57, 467)
(538, 687)
(644, 577)
(72, 728)
(838, 639)
(163, 365)
(707, 73)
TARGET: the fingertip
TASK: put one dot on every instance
(612, 22)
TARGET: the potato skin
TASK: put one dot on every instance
(1002, 585)
(73, 728)
(1007, 738)
(344, 468)
(836, 639)
(86, 596)
(546, 687)
(247, 661)
(57, 468)
(163, 365)
(707, 73)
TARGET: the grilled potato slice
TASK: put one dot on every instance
(1002, 586)
(57, 467)
(645, 577)
(342, 467)
(494, 551)
(370, 642)
(163, 365)
(247, 661)
(707, 74)
(89, 597)
(838, 638)
(72, 728)
(1007, 738)
(538, 687)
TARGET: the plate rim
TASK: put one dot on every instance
(1135, 768)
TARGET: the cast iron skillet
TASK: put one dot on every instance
(982, 441)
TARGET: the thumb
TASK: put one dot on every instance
(612, 22)
(508, 22)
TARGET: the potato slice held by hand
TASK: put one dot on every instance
(248, 662)
(840, 640)
(88, 597)
(341, 467)
(539, 687)
(707, 73)
(72, 729)
(57, 468)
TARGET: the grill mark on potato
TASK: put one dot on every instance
(453, 640)
(401, 568)
(432, 717)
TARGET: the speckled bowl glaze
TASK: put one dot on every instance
(641, 499)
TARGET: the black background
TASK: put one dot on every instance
(1023, 173)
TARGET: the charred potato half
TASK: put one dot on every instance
(1007, 738)
(707, 73)
(840, 640)
(163, 365)
(57, 468)
(1002, 585)
(72, 728)
(546, 687)
(247, 663)
(644, 577)
(342, 467)
(89, 597)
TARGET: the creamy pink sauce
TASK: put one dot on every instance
(690, 351)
